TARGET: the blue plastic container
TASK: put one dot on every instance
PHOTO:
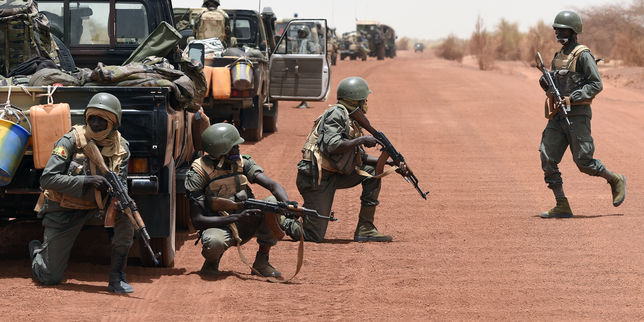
(13, 139)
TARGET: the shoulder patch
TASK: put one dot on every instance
(61, 152)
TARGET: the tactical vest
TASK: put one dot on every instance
(565, 74)
(311, 150)
(223, 183)
(81, 165)
(211, 24)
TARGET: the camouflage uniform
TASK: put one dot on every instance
(62, 224)
(217, 240)
(335, 124)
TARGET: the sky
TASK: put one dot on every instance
(422, 19)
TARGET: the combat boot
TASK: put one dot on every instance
(117, 282)
(561, 210)
(209, 267)
(366, 231)
(265, 268)
(618, 188)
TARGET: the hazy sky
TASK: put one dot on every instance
(424, 19)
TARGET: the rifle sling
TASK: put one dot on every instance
(300, 253)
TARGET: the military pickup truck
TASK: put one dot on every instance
(279, 73)
(159, 135)
(381, 38)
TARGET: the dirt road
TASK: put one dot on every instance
(476, 250)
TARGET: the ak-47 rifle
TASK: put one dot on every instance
(279, 207)
(561, 105)
(121, 201)
(388, 150)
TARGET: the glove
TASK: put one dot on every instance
(543, 82)
(96, 182)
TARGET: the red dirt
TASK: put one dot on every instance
(476, 250)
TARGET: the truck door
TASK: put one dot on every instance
(299, 69)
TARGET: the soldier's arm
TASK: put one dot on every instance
(593, 83)
(199, 214)
(55, 175)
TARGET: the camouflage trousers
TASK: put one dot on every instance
(61, 230)
(556, 139)
(320, 197)
(215, 241)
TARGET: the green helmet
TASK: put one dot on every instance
(568, 19)
(219, 138)
(108, 102)
(353, 88)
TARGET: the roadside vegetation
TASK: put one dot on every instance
(614, 33)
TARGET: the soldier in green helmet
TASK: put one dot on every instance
(74, 193)
(575, 73)
(333, 158)
(224, 173)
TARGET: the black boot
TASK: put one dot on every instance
(117, 282)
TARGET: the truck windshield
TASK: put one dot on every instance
(89, 22)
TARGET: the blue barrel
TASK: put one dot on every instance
(13, 139)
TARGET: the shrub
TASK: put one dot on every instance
(451, 48)
(482, 45)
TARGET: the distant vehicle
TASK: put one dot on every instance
(353, 45)
(419, 47)
(381, 38)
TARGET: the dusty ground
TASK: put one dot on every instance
(476, 250)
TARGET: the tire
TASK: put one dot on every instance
(353, 57)
(381, 52)
(270, 118)
(252, 120)
(164, 245)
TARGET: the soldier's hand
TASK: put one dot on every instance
(96, 182)
(403, 170)
(248, 215)
(368, 141)
(543, 82)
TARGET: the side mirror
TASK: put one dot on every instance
(197, 51)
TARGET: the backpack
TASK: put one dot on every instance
(24, 33)
(211, 24)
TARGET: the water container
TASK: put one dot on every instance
(220, 83)
(207, 71)
(48, 122)
(242, 76)
(13, 139)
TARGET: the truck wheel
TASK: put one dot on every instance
(165, 245)
(353, 57)
(252, 121)
(342, 56)
(381, 52)
(270, 118)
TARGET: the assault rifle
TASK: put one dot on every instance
(121, 201)
(560, 102)
(388, 150)
(279, 207)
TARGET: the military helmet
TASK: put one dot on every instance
(219, 138)
(353, 88)
(108, 102)
(205, 2)
(568, 19)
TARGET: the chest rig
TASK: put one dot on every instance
(311, 150)
(224, 180)
(565, 74)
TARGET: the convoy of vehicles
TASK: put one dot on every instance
(159, 133)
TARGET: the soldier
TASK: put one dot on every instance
(213, 22)
(333, 158)
(576, 75)
(74, 193)
(224, 173)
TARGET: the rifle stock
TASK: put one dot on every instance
(388, 151)
(121, 201)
